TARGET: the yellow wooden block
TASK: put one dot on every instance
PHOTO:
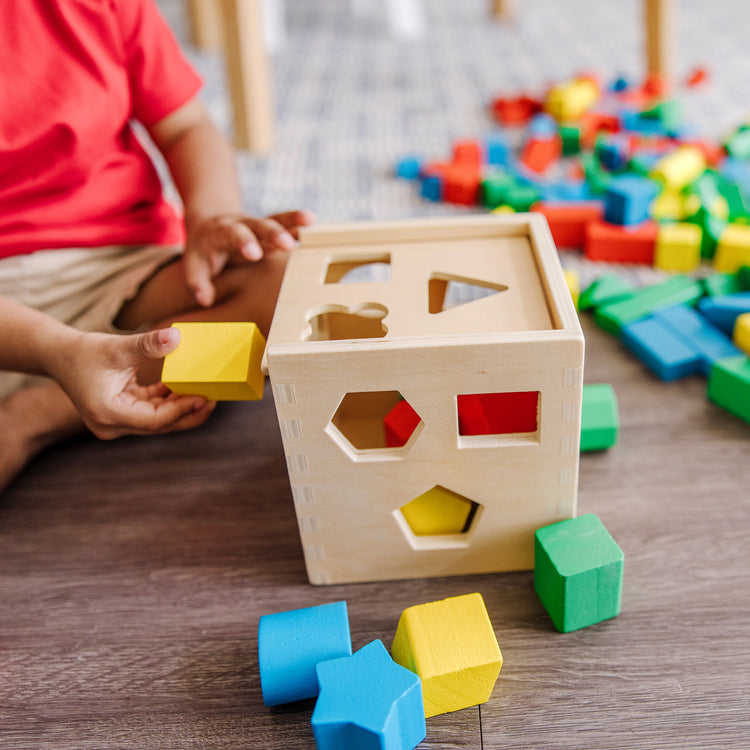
(437, 511)
(679, 168)
(669, 205)
(503, 210)
(733, 250)
(568, 102)
(573, 280)
(220, 361)
(741, 334)
(678, 247)
(451, 645)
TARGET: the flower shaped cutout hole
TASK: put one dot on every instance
(338, 322)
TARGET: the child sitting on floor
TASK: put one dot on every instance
(87, 237)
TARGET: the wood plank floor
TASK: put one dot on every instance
(133, 574)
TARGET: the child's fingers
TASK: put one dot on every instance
(293, 220)
(198, 278)
(271, 233)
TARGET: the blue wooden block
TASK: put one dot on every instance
(660, 350)
(613, 152)
(723, 311)
(627, 199)
(290, 646)
(432, 188)
(496, 149)
(542, 126)
(408, 168)
(368, 702)
(707, 341)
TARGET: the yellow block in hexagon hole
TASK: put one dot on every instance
(220, 361)
(451, 645)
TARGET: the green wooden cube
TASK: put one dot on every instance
(600, 417)
(578, 569)
(729, 385)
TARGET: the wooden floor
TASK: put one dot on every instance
(133, 574)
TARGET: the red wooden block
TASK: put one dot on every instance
(655, 85)
(461, 184)
(399, 424)
(697, 77)
(539, 153)
(469, 153)
(619, 244)
(568, 221)
(498, 413)
(515, 111)
(593, 123)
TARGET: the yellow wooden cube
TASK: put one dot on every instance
(669, 205)
(741, 334)
(451, 645)
(733, 250)
(573, 280)
(679, 167)
(678, 247)
(220, 361)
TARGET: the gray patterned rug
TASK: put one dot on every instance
(351, 98)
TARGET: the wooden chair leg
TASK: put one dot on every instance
(248, 70)
(659, 30)
(502, 9)
(205, 24)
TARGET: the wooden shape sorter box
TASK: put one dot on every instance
(346, 346)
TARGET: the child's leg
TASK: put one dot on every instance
(30, 420)
(244, 292)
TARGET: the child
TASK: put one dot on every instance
(86, 236)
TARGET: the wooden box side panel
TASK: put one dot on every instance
(346, 499)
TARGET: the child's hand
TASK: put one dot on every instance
(222, 240)
(98, 372)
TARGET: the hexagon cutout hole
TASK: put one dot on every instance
(374, 425)
(438, 518)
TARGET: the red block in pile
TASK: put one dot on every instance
(620, 244)
(515, 111)
(568, 221)
(461, 184)
(539, 153)
(469, 153)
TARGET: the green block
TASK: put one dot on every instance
(668, 112)
(600, 418)
(571, 139)
(495, 189)
(744, 274)
(712, 227)
(597, 178)
(721, 284)
(738, 146)
(578, 571)
(729, 385)
(607, 288)
(677, 290)
(522, 197)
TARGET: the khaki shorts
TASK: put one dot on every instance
(83, 287)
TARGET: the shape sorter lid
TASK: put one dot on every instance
(447, 279)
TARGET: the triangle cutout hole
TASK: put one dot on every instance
(446, 291)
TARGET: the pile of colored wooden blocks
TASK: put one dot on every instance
(617, 174)
(684, 326)
(444, 655)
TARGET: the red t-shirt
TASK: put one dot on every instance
(73, 74)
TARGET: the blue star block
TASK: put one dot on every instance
(290, 645)
(368, 702)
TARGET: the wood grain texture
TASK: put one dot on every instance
(133, 574)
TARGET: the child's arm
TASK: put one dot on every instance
(201, 162)
(98, 372)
